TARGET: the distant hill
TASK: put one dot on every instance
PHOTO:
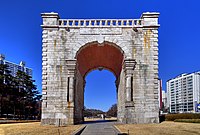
(112, 112)
(92, 112)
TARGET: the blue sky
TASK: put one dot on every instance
(179, 34)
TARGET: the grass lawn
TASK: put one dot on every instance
(35, 129)
(164, 128)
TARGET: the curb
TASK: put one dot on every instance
(117, 130)
(79, 131)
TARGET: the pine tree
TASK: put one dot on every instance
(6, 85)
(27, 94)
(18, 95)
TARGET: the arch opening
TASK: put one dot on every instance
(94, 56)
(99, 93)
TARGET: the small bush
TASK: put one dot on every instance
(188, 120)
(161, 118)
(172, 117)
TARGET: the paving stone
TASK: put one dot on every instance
(100, 128)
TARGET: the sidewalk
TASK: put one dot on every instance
(101, 127)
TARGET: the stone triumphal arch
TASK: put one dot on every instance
(74, 47)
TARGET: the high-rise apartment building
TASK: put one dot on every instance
(184, 93)
(13, 68)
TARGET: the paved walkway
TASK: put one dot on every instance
(101, 127)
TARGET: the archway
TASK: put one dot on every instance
(73, 47)
(95, 56)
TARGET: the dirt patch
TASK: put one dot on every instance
(36, 129)
(164, 128)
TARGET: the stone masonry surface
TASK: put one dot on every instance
(135, 41)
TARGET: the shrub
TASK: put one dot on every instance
(188, 120)
(161, 118)
(172, 117)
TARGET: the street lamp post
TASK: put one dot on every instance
(24, 98)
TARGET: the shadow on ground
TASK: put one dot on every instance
(99, 121)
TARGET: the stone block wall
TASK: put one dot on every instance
(62, 84)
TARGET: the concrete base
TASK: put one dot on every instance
(57, 122)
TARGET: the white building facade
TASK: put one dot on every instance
(164, 101)
(184, 93)
(13, 67)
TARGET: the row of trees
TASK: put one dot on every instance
(92, 112)
(112, 112)
(19, 97)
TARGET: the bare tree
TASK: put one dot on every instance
(112, 111)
